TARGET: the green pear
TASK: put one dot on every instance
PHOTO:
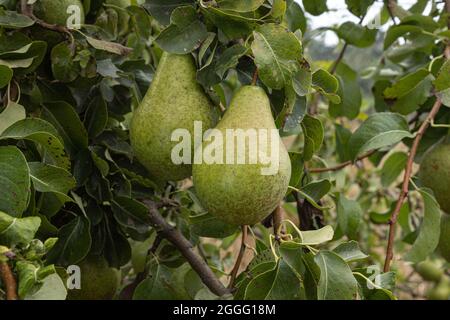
(441, 291)
(240, 194)
(175, 100)
(98, 280)
(55, 12)
(444, 240)
(435, 173)
(429, 271)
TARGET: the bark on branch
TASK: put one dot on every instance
(9, 280)
(405, 186)
(175, 237)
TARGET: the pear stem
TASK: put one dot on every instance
(171, 234)
(237, 265)
(9, 280)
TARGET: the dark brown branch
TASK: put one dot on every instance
(9, 280)
(342, 165)
(238, 262)
(339, 59)
(175, 237)
(277, 218)
(405, 186)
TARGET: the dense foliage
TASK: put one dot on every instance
(71, 187)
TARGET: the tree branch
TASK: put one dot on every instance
(237, 265)
(255, 77)
(9, 280)
(405, 186)
(390, 7)
(342, 165)
(186, 249)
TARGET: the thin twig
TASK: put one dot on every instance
(9, 280)
(342, 165)
(27, 10)
(339, 59)
(238, 262)
(390, 7)
(255, 77)
(175, 237)
(405, 186)
(277, 217)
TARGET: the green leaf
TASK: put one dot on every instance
(295, 17)
(350, 93)
(336, 278)
(162, 9)
(30, 277)
(314, 134)
(185, 33)
(160, 285)
(379, 130)
(326, 84)
(315, 7)
(74, 242)
(316, 190)
(342, 137)
(206, 225)
(429, 231)
(14, 181)
(286, 285)
(240, 5)
(48, 178)
(14, 20)
(131, 213)
(357, 35)
(229, 59)
(398, 31)
(359, 7)
(6, 75)
(65, 119)
(350, 251)
(410, 92)
(13, 112)
(315, 237)
(107, 46)
(51, 288)
(302, 81)
(17, 231)
(64, 68)
(44, 134)
(442, 81)
(232, 24)
(350, 215)
(96, 117)
(392, 168)
(276, 51)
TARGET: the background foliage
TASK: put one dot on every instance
(71, 185)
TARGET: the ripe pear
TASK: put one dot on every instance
(55, 12)
(435, 173)
(429, 271)
(174, 101)
(444, 240)
(98, 280)
(239, 194)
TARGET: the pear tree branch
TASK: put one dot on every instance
(408, 171)
(343, 164)
(238, 262)
(9, 280)
(170, 233)
(405, 186)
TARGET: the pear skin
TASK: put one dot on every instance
(240, 194)
(55, 12)
(174, 101)
(435, 173)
